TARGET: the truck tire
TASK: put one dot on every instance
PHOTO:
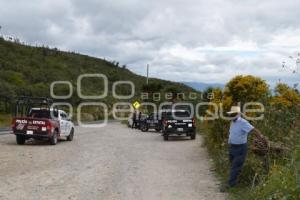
(71, 135)
(157, 129)
(20, 139)
(53, 139)
(144, 128)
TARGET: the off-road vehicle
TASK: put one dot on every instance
(42, 122)
(178, 122)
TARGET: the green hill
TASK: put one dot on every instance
(28, 70)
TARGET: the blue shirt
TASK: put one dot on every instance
(239, 130)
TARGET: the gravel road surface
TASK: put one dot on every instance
(113, 162)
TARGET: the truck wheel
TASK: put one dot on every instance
(71, 135)
(20, 139)
(53, 139)
(144, 128)
(193, 136)
(157, 129)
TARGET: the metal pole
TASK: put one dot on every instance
(147, 74)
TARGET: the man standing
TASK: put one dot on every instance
(134, 120)
(238, 135)
(139, 119)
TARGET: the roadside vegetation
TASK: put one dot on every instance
(5, 120)
(275, 175)
(29, 71)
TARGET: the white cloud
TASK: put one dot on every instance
(192, 40)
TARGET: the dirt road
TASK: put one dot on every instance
(107, 163)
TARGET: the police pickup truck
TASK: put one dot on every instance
(43, 122)
(178, 122)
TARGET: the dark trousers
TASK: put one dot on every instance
(134, 124)
(237, 157)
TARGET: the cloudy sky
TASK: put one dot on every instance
(190, 40)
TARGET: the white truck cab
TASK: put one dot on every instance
(66, 125)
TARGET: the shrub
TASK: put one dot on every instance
(275, 176)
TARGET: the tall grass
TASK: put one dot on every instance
(275, 176)
(5, 120)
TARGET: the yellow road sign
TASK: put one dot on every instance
(136, 105)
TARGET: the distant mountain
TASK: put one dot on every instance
(202, 86)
